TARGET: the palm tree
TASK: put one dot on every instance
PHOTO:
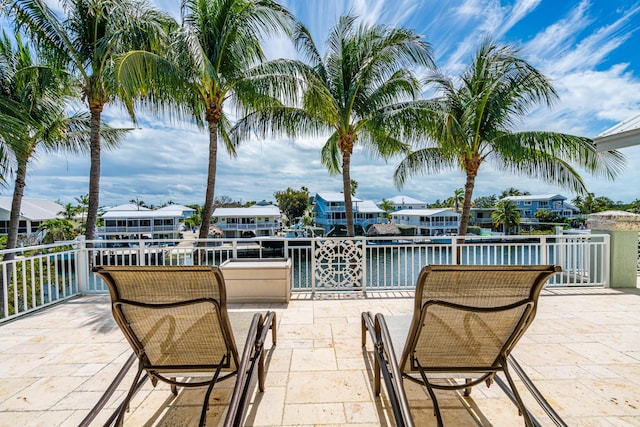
(40, 93)
(216, 59)
(458, 197)
(506, 214)
(473, 123)
(387, 206)
(69, 211)
(86, 41)
(83, 202)
(360, 92)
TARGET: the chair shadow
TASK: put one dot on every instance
(456, 409)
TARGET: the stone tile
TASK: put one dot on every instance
(314, 414)
(328, 387)
(317, 359)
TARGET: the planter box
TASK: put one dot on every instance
(257, 280)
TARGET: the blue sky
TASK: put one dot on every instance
(588, 48)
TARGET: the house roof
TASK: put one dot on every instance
(425, 212)
(175, 208)
(406, 200)
(624, 134)
(533, 197)
(253, 211)
(34, 209)
(331, 196)
(369, 206)
(127, 207)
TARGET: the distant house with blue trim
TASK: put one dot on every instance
(329, 211)
(530, 204)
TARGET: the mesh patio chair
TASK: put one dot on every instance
(465, 323)
(175, 319)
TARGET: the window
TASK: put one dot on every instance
(527, 203)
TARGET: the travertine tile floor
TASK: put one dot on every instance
(583, 352)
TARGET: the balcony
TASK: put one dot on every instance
(583, 351)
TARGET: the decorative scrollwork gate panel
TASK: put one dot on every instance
(338, 264)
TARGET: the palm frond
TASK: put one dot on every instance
(423, 161)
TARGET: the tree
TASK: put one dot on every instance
(86, 41)
(215, 57)
(69, 212)
(506, 215)
(544, 215)
(360, 92)
(83, 202)
(56, 230)
(513, 192)
(138, 203)
(354, 187)
(34, 93)
(293, 203)
(486, 201)
(387, 206)
(458, 197)
(469, 124)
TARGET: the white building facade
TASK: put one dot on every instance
(135, 222)
(428, 222)
(255, 220)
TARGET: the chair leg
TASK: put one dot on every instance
(432, 394)
(467, 390)
(174, 388)
(522, 410)
(261, 371)
(124, 406)
(273, 329)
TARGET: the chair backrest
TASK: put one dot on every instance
(174, 317)
(466, 318)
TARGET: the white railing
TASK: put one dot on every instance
(39, 276)
(43, 275)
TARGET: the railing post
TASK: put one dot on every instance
(83, 265)
(544, 247)
(454, 251)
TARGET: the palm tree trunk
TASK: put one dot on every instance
(207, 210)
(346, 184)
(16, 203)
(94, 172)
(14, 222)
(466, 205)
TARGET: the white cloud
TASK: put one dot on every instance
(165, 160)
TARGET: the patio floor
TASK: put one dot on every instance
(582, 351)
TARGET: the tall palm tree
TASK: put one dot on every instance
(86, 41)
(506, 215)
(40, 93)
(360, 93)
(215, 60)
(472, 123)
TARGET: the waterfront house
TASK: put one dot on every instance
(129, 221)
(428, 222)
(530, 204)
(329, 211)
(481, 217)
(256, 220)
(32, 213)
(406, 202)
